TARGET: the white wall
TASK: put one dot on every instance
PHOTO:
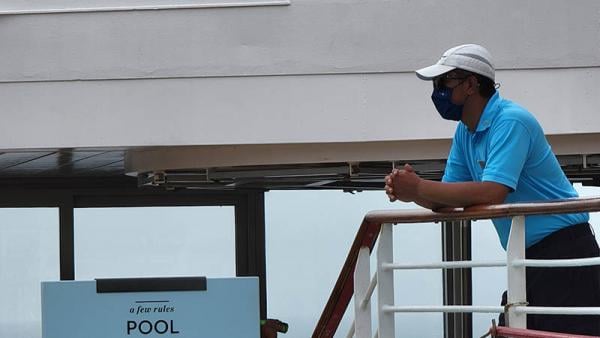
(307, 37)
(311, 72)
(282, 109)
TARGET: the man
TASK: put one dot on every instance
(499, 154)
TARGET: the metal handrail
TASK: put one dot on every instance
(444, 265)
(565, 206)
(369, 230)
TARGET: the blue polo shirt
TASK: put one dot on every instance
(509, 147)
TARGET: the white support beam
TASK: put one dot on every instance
(517, 294)
(362, 280)
(385, 281)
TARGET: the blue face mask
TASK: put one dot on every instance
(442, 99)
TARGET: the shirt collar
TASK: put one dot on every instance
(489, 113)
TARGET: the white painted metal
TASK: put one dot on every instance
(211, 156)
(308, 37)
(444, 308)
(259, 111)
(444, 265)
(516, 309)
(517, 294)
(385, 281)
(367, 299)
(362, 278)
(242, 76)
(40, 8)
(558, 310)
(551, 263)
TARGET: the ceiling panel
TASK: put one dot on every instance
(63, 162)
(11, 159)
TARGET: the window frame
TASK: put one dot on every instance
(250, 257)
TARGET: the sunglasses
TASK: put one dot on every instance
(441, 81)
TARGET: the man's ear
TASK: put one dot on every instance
(473, 85)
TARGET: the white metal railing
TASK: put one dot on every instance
(516, 309)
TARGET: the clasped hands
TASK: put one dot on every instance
(402, 184)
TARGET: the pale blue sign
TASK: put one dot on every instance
(228, 308)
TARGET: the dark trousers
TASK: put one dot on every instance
(572, 286)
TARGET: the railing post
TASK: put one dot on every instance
(362, 279)
(517, 294)
(385, 282)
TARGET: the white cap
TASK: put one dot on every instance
(471, 57)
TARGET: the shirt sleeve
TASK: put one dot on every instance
(456, 166)
(507, 153)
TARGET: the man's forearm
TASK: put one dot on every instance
(429, 204)
(440, 194)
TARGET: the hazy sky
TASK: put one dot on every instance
(308, 236)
